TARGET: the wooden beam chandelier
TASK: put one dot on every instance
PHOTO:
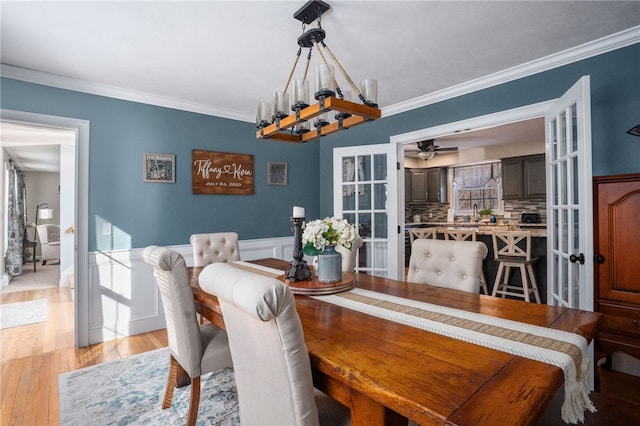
(275, 121)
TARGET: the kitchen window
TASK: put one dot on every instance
(478, 184)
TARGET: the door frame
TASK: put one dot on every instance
(526, 112)
(81, 210)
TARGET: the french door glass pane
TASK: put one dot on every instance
(364, 196)
(380, 167)
(380, 196)
(576, 182)
(349, 197)
(554, 140)
(364, 167)
(349, 169)
(563, 135)
(380, 225)
(574, 128)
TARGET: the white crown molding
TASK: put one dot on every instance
(61, 82)
(575, 54)
(584, 51)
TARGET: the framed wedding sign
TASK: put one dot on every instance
(159, 168)
(221, 173)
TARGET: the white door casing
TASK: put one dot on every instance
(570, 199)
(366, 194)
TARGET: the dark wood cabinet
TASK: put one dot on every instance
(523, 177)
(428, 185)
(617, 270)
(418, 185)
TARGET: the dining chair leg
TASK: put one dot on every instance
(194, 401)
(172, 380)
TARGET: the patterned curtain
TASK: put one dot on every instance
(17, 222)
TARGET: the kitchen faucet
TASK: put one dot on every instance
(475, 212)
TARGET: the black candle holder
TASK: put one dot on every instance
(297, 269)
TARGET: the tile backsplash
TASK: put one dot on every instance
(437, 212)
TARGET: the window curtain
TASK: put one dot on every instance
(480, 176)
(16, 232)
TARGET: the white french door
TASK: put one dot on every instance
(365, 188)
(570, 199)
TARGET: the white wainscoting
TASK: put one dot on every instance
(124, 299)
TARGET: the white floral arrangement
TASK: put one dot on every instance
(330, 231)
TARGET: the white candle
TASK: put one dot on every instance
(298, 212)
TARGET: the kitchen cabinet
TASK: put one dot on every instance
(524, 177)
(407, 186)
(429, 185)
(418, 185)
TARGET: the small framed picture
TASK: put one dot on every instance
(159, 167)
(276, 173)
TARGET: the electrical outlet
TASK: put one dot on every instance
(507, 215)
(106, 229)
(430, 215)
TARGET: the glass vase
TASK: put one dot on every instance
(329, 265)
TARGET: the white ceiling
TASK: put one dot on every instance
(222, 57)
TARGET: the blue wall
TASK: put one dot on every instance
(615, 108)
(167, 214)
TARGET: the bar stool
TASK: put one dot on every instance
(466, 235)
(513, 249)
(423, 233)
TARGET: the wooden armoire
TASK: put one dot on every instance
(617, 262)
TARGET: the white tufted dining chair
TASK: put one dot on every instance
(196, 349)
(444, 263)
(466, 235)
(270, 358)
(214, 247)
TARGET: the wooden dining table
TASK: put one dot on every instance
(387, 372)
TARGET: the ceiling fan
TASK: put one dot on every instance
(427, 150)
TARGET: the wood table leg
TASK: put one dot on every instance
(182, 378)
(365, 412)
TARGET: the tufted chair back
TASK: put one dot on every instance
(444, 263)
(214, 248)
(270, 358)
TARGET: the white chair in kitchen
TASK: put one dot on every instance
(416, 233)
(270, 358)
(466, 235)
(512, 249)
(443, 263)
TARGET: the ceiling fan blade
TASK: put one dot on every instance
(453, 148)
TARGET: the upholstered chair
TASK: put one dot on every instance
(195, 349)
(349, 256)
(466, 235)
(444, 263)
(214, 247)
(270, 359)
(49, 236)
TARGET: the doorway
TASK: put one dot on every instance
(77, 198)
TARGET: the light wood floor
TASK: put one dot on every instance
(32, 356)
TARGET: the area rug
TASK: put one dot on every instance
(130, 391)
(23, 313)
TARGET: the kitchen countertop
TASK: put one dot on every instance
(537, 229)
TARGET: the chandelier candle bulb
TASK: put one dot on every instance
(299, 94)
(369, 88)
(280, 105)
(263, 114)
(298, 212)
(325, 78)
